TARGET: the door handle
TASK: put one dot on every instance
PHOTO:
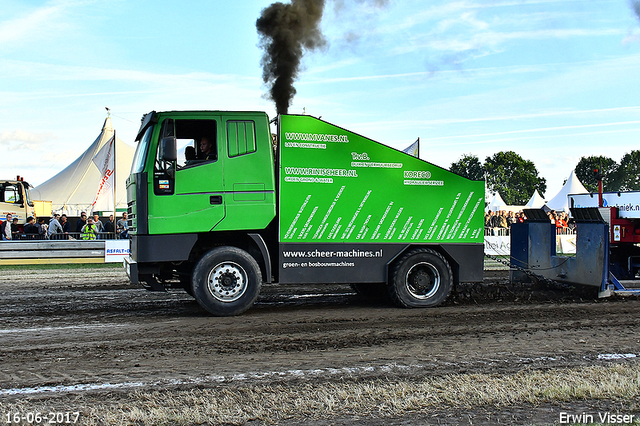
(215, 199)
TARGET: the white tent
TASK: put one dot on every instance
(536, 201)
(497, 203)
(74, 188)
(560, 202)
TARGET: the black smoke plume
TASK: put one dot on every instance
(286, 31)
(635, 4)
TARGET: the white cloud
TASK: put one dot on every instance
(34, 25)
(18, 139)
(494, 39)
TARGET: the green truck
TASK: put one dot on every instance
(314, 203)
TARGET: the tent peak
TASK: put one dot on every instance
(107, 126)
(560, 201)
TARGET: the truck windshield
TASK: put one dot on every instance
(141, 151)
(27, 195)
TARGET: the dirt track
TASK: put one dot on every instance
(70, 331)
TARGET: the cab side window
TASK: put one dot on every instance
(196, 141)
(10, 194)
(241, 137)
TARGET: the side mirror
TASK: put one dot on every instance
(168, 150)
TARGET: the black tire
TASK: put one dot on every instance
(421, 278)
(186, 284)
(226, 281)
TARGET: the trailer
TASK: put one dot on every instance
(218, 205)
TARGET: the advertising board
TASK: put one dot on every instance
(339, 187)
(628, 203)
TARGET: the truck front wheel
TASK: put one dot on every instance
(421, 278)
(226, 281)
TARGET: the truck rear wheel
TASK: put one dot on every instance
(421, 278)
(226, 281)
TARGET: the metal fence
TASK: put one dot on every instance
(22, 252)
(504, 232)
(20, 236)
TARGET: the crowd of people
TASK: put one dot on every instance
(564, 223)
(59, 228)
(499, 222)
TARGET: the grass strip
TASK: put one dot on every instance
(380, 398)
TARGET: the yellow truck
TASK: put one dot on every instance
(15, 200)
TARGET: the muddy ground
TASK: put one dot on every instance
(86, 332)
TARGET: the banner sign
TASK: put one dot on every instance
(116, 250)
(338, 186)
(501, 246)
(104, 160)
(628, 203)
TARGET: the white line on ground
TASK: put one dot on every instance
(318, 372)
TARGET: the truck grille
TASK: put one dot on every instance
(131, 217)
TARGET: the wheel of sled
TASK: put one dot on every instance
(226, 281)
(421, 278)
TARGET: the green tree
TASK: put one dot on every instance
(513, 177)
(608, 167)
(468, 166)
(628, 172)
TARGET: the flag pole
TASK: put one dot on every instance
(115, 166)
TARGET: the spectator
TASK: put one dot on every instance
(511, 218)
(89, 230)
(98, 222)
(109, 226)
(494, 220)
(561, 224)
(487, 219)
(502, 220)
(64, 224)
(15, 229)
(30, 228)
(54, 227)
(122, 227)
(5, 228)
(42, 229)
(81, 222)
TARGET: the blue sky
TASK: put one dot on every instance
(552, 80)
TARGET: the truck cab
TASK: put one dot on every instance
(182, 202)
(15, 200)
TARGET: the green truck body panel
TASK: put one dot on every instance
(337, 186)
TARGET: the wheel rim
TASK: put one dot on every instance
(227, 281)
(422, 280)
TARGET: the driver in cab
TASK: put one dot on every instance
(207, 151)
